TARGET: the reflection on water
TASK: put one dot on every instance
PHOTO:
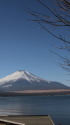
(58, 107)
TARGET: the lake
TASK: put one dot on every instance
(58, 107)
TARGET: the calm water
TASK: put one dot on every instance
(58, 107)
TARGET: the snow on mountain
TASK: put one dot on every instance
(23, 80)
(25, 75)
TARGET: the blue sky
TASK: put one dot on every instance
(24, 45)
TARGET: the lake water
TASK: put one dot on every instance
(58, 107)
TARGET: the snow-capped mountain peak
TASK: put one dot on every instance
(23, 80)
(21, 74)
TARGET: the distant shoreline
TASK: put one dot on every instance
(36, 93)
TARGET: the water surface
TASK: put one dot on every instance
(58, 107)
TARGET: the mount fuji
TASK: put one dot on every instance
(23, 80)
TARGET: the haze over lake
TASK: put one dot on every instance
(58, 107)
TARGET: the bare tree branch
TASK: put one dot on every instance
(58, 17)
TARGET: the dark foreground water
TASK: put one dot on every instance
(58, 107)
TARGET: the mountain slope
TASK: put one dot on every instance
(23, 80)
